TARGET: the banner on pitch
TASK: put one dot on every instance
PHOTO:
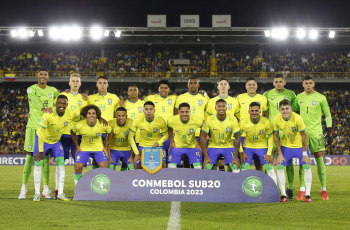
(221, 21)
(192, 185)
(152, 159)
(189, 21)
(156, 21)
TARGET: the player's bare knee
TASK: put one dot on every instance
(103, 164)
(78, 168)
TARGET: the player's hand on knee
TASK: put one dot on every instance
(268, 159)
(131, 160)
(280, 159)
(206, 161)
(39, 156)
(243, 157)
(137, 158)
(307, 160)
(236, 162)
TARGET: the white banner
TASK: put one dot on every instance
(182, 61)
(221, 21)
(189, 21)
(156, 20)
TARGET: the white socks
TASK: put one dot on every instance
(308, 181)
(37, 179)
(272, 174)
(61, 176)
(281, 181)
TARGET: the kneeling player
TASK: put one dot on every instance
(153, 132)
(221, 128)
(48, 138)
(258, 141)
(294, 144)
(182, 128)
(120, 147)
(91, 143)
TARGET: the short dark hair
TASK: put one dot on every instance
(148, 103)
(184, 105)
(43, 69)
(279, 76)
(223, 79)
(102, 77)
(165, 82)
(284, 102)
(85, 110)
(132, 85)
(120, 109)
(308, 77)
(254, 103)
(250, 79)
(193, 78)
(220, 100)
(62, 96)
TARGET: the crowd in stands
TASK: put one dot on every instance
(14, 110)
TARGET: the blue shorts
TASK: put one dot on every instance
(83, 156)
(124, 156)
(255, 154)
(56, 149)
(217, 153)
(166, 145)
(140, 150)
(68, 145)
(290, 153)
(194, 155)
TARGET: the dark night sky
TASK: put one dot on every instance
(133, 13)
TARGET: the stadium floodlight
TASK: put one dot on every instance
(75, 32)
(55, 33)
(96, 32)
(106, 34)
(331, 34)
(301, 33)
(31, 33)
(14, 33)
(118, 33)
(22, 33)
(40, 33)
(313, 34)
(281, 33)
(267, 33)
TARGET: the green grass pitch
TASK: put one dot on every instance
(53, 214)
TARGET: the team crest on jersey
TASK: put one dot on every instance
(110, 101)
(200, 102)
(230, 106)
(98, 134)
(29, 146)
(79, 102)
(261, 132)
(191, 131)
(259, 102)
(29, 90)
(294, 129)
(170, 101)
(140, 109)
(228, 129)
(126, 133)
(155, 130)
(50, 95)
(286, 98)
(65, 124)
(42, 119)
(313, 102)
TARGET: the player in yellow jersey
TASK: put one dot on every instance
(120, 147)
(258, 140)
(153, 132)
(221, 127)
(182, 128)
(164, 103)
(294, 144)
(48, 138)
(232, 107)
(91, 143)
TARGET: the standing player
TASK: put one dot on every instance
(258, 141)
(41, 98)
(48, 138)
(311, 105)
(274, 96)
(294, 144)
(164, 103)
(120, 147)
(183, 140)
(91, 143)
(232, 106)
(153, 132)
(221, 128)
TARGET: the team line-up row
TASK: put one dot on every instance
(173, 123)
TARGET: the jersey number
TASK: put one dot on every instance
(102, 107)
(45, 103)
(221, 135)
(91, 140)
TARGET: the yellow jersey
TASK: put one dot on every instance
(184, 133)
(291, 137)
(232, 105)
(91, 136)
(221, 132)
(164, 106)
(134, 110)
(107, 104)
(256, 135)
(244, 101)
(120, 135)
(75, 103)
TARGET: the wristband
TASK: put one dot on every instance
(304, 153)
